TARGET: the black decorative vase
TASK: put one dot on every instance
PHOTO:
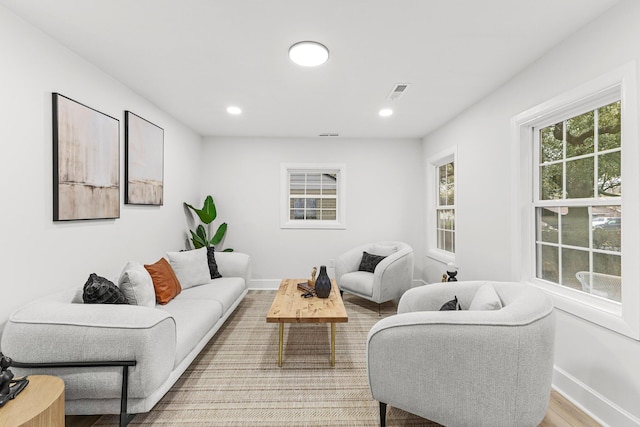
(323, 283)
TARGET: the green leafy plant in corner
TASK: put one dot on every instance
(207, 215)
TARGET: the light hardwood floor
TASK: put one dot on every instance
(560, 413)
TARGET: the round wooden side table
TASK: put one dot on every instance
(40, 404)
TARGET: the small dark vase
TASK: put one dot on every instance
(323, 283)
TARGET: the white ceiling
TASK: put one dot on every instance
(193, 58)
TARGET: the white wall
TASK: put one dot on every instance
(595, 367)
(384, 198)
(39, 256)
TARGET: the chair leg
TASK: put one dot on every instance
(383, 414)
(379, 314)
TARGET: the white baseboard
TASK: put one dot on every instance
(591, 402)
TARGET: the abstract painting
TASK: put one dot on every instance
(144, 148)
(86, 162)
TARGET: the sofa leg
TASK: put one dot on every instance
(383, 414)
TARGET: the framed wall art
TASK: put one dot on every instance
(86, 162)
(144, 161)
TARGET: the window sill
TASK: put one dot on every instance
(441, 256)
(604, 313)
(311, 225)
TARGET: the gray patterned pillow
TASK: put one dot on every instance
(98, 290)
(451, 305)
(369, 262)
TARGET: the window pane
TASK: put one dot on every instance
(328, 215)
(448, 241)
(573, 261)
(548, 266)
(609, 126)
(446, 219)
(606, 281)
(313, 183)
(328, 203)
(551, 182)
(547, 224)
(580, 135)
(607, 234)
(609, 175)
(580, 178)
(312, 214)
(551, 143)
(296, 183)
(576, 227)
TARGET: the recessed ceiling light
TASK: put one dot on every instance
(234, 110)
(385, 112)
(308, 54)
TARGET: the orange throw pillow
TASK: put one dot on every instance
(165, 282)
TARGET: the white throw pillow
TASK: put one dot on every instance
(383, 250)
(191, 267)
(486, 298)
(136, 284)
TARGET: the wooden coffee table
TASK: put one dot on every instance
(290, 307)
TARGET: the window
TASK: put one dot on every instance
(445, 208)
(313, 196)
(441, 224)
(571, 158)
(578, 201)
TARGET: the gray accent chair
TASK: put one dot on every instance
(390, 279)
(465, 368)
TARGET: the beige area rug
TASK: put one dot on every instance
(236, 381)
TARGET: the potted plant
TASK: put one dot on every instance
(207, 215)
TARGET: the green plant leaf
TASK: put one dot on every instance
(208, 212)
(198, 242)
(228, 250)
(217, 238)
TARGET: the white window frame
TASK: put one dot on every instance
(340, 169)
(433, 163)
(624, 317)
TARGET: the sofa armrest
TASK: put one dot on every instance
(392, 277)
(55, 331)
(234, 264)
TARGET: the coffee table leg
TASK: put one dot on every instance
(333, 344)
(281, 334)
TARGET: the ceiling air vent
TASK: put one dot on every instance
(397, 91)
(329, 134)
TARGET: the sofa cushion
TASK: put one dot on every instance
(369, 262)
(360, 282)
(98, 290)
(225, 290)
(136, 284)
(165, 282)
(486, 298)
(191, 267)
(194, 318)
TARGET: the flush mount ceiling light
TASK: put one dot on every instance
(308, 54)
(385, 112)
(234, 110)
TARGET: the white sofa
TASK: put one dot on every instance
(163, 341)
(481, 366)
(389, 280)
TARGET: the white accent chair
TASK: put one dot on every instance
(390, 279)
(465, 368)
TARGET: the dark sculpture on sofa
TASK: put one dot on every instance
(9, 388)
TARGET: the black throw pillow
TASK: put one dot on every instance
(369, 262)
(98, 290)
(213, 266)
(451, 305)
